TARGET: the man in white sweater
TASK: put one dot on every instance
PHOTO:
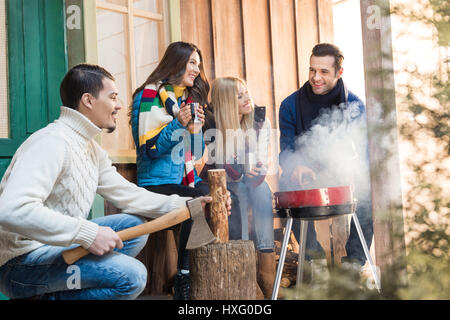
(46, 195)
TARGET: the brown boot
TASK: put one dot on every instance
(259, 293)
(265, 272)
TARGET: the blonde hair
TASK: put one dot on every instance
(224, 101)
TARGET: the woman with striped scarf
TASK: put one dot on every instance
(163, 131)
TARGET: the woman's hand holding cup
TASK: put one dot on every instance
(184, 115)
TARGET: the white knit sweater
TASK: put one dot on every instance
(49, 187)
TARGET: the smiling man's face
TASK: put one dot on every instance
(322, 74)
(106, 106)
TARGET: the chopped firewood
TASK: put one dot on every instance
(289, 276)
(294, 243)
(285, 283)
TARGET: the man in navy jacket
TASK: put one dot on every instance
(298, 114)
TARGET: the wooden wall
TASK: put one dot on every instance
(265, 42)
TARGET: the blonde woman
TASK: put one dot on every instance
(240, 146)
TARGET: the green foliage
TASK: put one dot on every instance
(424, 127)
(342, 285)
(429, 277)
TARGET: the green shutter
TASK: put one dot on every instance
(37, 62)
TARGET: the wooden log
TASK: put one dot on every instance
(323, 236)
(340, 232)
(333, 233)
(223, 271)
(157, 272)
(226, 269)
(218, 221)
(171, 259)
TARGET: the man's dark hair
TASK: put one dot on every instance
(328, 49)
(81, 79)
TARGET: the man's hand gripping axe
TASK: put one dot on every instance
(200, 233)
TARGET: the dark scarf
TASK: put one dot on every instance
(309, 105)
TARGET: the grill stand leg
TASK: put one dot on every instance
(366, 252)
(330, 231)
(287, 232)
(301, 252)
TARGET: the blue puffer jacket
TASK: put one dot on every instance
(160, 168)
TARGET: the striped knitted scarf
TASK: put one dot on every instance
(157, 109)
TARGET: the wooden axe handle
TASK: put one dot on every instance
(170, 219)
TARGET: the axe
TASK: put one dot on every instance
(200, 233)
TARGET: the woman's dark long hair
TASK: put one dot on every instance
(172, 67)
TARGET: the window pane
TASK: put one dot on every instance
(118, 2)
(112, 55)
(146, 48)
(111, 45)
(147, 5)
(4, 106)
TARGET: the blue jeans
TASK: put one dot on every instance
(260, 200)
(43, 272)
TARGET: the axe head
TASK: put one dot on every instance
(200, 234)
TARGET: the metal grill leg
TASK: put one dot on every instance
(301, 252)
(276, 285)
(366, 252)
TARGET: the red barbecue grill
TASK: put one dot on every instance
(315, 204)
(310, 205)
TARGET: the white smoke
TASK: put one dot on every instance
(335, 148)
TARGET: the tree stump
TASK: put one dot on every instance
(223, 271)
